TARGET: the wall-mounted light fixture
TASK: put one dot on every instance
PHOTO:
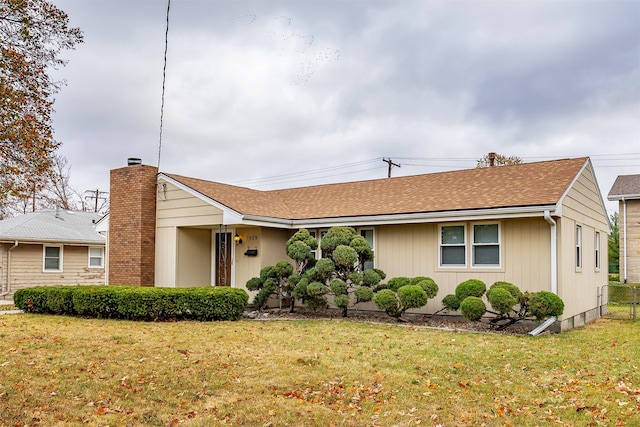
(237, 239)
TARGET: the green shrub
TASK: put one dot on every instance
(338, 287)
(363, 294)
(545, 304)
(470, 288)
(451, 302)
(429, 286)
(344, 256)
(136, 303)
(370, 277)
(341, 301)
(397, 282)
(473, 308)
(501, 300)
(510, 287)
(412, 296)
(386, 300)
(316, 289)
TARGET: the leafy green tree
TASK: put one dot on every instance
(614, 239)
(32, 35)
(508, 303)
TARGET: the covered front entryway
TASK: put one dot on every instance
(223, 249)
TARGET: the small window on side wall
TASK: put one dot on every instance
(96, 257)
(52, 259)
(452, 246)
(578, 246)
(597, 246)
(368, 236)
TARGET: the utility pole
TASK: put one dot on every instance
(391, 164)
(97, 195)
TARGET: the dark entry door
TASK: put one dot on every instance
(223, 259)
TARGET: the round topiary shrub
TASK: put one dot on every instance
(316, 289)
(429, 286)
(513, 289)
(338, 287)
(412, 296)
(472, 308)
(370, 278)
(341, 301)
(363, 294)
(470, 288)
(545, 304)
(325, 267)
(451, 302)
(345, 256)
(397, 282)
(501, 300)
(386, 300)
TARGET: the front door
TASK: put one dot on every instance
(223, 259)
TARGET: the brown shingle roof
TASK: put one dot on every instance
(527, 184)
(625, 186)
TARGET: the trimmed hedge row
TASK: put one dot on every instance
(135, 303)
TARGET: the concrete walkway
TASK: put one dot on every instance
(7, 302)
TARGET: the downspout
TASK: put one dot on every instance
(554, 272)
(8, 290)
(554, 252)
(624, 236)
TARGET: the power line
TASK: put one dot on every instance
(164, 77)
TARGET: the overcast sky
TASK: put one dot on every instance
(259, 93)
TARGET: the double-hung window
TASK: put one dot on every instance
(96, 257)
(597, 245)
(52, 259)
(578, 246)
(368, 236)
(453, 246)
(486, 245)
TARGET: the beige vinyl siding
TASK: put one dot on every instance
(175, 207)
(26, 268)
(193, 257)
(633, 240)
(166, 244)
(582, 207)
(412, 250)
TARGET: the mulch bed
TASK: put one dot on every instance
(452, 323)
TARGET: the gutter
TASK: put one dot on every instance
(8, 289)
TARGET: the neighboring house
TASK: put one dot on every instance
(626, 190)
(50, 247)
(541, 226)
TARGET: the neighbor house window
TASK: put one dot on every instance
(52, 258)
(368, 236)
(96, 257)
(485, 249)
(578, 246)
(597, 245)
(452, 246)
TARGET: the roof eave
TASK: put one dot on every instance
(8, 239)
(406, 218)
(618, 197)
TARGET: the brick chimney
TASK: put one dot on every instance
(492, 159)
(132, 224)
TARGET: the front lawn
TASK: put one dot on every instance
(69, 371)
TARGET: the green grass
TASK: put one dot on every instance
(68, 371)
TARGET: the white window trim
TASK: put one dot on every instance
(578, 247)
(597, 251)
(466, 252)
(473, 245)
(89, 257)
(61, 259)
